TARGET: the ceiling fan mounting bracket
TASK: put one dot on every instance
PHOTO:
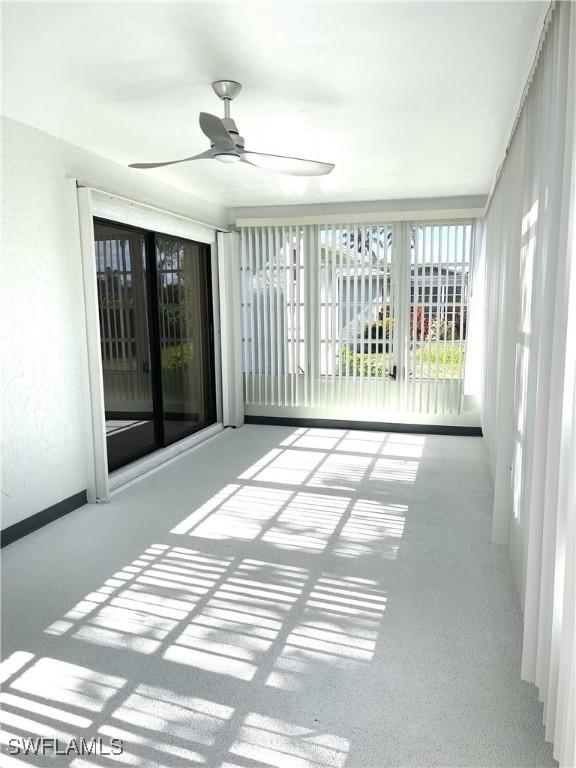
(226, 89)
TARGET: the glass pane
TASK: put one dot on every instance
(360, 288)
(438, 301)
(185, 315)
(125, 348)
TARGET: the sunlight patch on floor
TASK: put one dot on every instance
(261, 622)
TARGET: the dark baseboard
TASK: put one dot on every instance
(373, 426)
(40, 519)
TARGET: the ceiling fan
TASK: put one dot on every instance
(227, 146)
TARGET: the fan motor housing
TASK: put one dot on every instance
(233, 130)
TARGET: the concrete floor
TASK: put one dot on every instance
(295, 598)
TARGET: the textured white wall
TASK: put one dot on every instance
(44, 366)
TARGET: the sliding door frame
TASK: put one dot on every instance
(155, 342)
(94, 203)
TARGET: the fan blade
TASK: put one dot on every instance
(217, 132)
(295, 166)
(202, 156)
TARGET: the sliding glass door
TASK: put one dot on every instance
(155, 304)
(123, 290)
(186, 340)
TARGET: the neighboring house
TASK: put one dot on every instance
(443, 291)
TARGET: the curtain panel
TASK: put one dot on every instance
(526, 247)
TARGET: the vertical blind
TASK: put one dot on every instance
(122, 307)
(355, 316)
(527, 246)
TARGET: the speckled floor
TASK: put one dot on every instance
(295, 598)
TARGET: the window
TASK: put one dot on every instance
(347, 315)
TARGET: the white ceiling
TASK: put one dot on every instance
(408, 99)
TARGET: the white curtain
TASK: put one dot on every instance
(527, 246)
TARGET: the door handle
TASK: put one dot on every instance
(146, 366)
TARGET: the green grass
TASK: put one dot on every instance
(434, 360)
(438, 360)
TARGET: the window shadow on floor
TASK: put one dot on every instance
(253, 634)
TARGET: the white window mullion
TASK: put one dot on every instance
(296, 246)
(312, 310)
(439, 321)
(374, 245)
(307, 299)
(466, 236)
(393, 385)
(382, 268)
(458, 255)
(400, 260)
(290, 319)
(414, 291)
(422, 313)
(387, 293)
(355, 314)
(362, 314)
(446, 263)
(256, 234)
(397, 301)
(264, 307)
(348, 314)
(285, 313)
(279, 329)
(271, 277)
(325, 288)
(333, 316)
(243, 299)
(452, 283)
(381, 299)
(339, 314)
(429, 284)
(253, 328)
